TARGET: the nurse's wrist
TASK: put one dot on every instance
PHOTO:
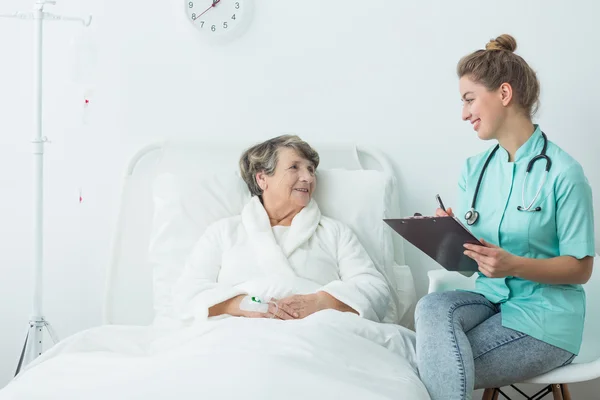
(516, 266)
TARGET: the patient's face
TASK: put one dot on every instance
(293, 181)
(482, 108)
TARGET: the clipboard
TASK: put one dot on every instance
(441, 238)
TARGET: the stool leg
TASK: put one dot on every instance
(565, 392)
(490, 394)
(557, 391)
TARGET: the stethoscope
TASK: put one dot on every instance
(472, 215)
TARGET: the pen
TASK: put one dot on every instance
(439, 200)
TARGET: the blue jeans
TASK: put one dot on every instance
(462, 345)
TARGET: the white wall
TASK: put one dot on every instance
(379, 72)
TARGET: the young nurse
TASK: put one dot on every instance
(525, 317)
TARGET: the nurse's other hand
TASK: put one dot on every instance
(441, 213)
(493, 261)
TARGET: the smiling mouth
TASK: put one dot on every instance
(302, 190)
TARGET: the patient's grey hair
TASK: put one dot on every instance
(263, 158)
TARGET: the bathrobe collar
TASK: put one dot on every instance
(256, 222)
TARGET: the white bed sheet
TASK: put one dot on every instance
(327, 355)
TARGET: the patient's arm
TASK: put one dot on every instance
(197, 290)
(226, 307)
(198, 295)
(331, 302)
(361, 288)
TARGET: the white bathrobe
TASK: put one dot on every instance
(240, 255)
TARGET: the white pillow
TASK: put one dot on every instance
(186, 204)
(360, 199)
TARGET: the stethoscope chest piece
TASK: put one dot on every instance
(471, 216)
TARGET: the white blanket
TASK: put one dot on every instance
(327, 355)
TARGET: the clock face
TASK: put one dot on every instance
(218, 18)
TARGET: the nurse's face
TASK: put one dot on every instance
(484, 109)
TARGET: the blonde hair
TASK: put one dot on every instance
(498, 64)
(263, 158)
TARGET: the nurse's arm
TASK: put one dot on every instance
(558, 270)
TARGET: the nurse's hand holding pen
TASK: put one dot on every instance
(441, 213)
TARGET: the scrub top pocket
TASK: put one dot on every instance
(515, 228)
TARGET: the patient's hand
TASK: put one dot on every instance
(232, 307)
(301, 306)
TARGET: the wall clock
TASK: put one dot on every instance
(219, 18)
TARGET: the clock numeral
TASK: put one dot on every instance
(201, 24)
(233, 17)
(225, 25)
(237, 5)
(193, 16)
(213, 28)
(191, 4)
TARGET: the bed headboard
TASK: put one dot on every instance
(129, 293)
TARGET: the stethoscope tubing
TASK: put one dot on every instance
(472, 215)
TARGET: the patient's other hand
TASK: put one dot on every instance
(301, 306)
(441, 213)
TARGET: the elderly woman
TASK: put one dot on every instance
(280, 248)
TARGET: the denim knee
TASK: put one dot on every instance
(432, 305)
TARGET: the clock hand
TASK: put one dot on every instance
(214, 4)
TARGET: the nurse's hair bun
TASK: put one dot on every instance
(502, 42)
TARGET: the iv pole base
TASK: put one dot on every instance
(34, 341)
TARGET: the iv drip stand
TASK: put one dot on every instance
(37, 323)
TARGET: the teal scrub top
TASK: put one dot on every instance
(564, 227)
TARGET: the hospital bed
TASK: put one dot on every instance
(171, 192)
